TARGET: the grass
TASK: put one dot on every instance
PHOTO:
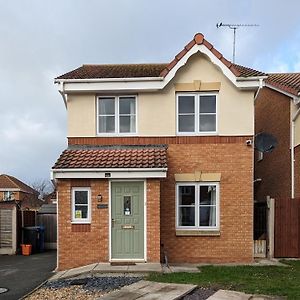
(268, 280)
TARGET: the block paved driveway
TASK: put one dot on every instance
(21, 274)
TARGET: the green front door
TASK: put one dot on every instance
(127, 220)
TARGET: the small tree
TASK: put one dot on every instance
(43, 186)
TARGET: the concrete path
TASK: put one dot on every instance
(147, 290)
(137, 268)
(21, 274)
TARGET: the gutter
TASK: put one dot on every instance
(261, 85)
(110, 170)
(294, 118)
(253, 78)
(95, 80)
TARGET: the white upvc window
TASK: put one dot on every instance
(8, 195)
(116, 115)
(81, 205)
(197, 114)
(197, 206)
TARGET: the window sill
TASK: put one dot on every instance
(116, 134)
(187, 232)
(210, 133)
(81, 222)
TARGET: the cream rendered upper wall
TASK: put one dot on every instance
(157, 110)
(81, 115)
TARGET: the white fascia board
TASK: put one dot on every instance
(10, 190)
(109, 86)
(154, 83)
(101, 174)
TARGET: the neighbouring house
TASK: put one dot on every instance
(18, 203)
(277, 109)
(12, 188)
(159, 161)
(51, 198)
(277, 174)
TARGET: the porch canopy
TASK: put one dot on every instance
(121, 161)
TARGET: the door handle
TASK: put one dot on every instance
(113, 222)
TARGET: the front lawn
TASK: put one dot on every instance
(268, 280)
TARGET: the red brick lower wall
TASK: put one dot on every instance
(80, 245)
(235, 243)
(297, 171)
(89, 244)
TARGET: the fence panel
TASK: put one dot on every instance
(49, 221)
(287, 227)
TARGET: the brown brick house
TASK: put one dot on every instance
(13, 189)
(15, 196)
(277, 112)
(158, 161)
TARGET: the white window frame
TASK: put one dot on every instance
(82, 220)
(197, 114)
(197, 204)
(117, 116)
(10, 195)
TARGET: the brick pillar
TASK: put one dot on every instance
(153, 220)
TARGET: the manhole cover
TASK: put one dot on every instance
(3, 290)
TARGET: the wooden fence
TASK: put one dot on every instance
(287, 227)
(49, 221)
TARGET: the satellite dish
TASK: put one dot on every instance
(265, 142)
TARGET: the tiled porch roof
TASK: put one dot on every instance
(119, 157)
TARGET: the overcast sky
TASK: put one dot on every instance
(43, 39)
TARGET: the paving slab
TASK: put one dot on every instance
(229, 295)
(175, 268)
(147, 290)
(108, 268)
(73, 272)
(145, 267)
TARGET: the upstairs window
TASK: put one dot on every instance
(196, 113)
(116, 115)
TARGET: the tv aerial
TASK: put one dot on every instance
(234, 27)
(265, 142)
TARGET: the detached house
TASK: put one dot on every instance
(159, 161)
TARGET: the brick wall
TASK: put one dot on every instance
(82, 244)
(272, 115)
(235, 243)
(297, 171)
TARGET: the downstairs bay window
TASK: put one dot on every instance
(81, 205)
(197, 206)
